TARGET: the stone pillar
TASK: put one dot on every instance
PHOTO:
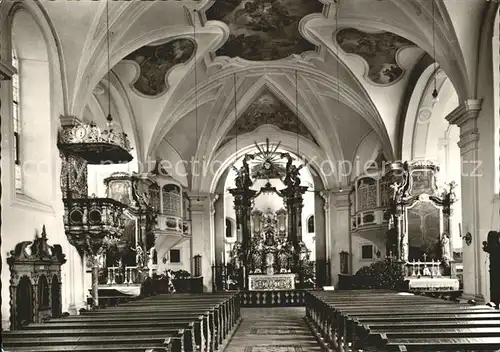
(320, 234)
(465, 117)
(339, 232)
(220, 230)
(201, 238)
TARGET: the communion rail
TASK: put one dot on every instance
(116, 275)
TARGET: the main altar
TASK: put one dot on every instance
(269, 254)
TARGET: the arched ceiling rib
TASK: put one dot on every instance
(326, 83)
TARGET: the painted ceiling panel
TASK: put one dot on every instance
(379, 50)
(155, 62)
(268, 109)
(263, 30)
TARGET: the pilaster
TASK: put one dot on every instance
(466, 118)
(339, 204)
(202, 238)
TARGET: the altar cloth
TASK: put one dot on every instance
(130, 290)
(276, 282)
(433, 284)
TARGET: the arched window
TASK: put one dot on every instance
(16, 123)
(310, 224)
(229, 228)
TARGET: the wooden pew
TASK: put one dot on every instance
(223, 316)
(117, 342)
(350, 318)
(180, 322)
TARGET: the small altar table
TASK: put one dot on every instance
(276, 282)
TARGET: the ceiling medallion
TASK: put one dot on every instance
(424, 115)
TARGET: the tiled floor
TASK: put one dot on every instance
(273, 330)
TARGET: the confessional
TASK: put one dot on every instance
(35, 284)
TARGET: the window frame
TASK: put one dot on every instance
(313, 224)
(170, 255)
(362, 246)
(16, 122)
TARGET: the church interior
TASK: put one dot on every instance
(250, 175)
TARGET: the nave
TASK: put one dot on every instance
(340, 321)
(281, 329)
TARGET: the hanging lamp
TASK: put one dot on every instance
(89, 141)
(435, 93)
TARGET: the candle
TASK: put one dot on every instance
(222, 257)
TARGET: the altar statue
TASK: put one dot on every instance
(445, 246)
(139, 257)
(257, 262)
(269, 239)
(292, 172)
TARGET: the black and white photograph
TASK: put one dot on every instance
(250, 175)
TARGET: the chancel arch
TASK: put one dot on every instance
(326, 167)
(268, 222)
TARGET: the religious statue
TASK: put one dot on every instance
(445, 246)
(404, 249)
(292, 172)
(396, 192)
(285, 257)
(139, 256)
(247, 182)
(257, 255)
(243, 180)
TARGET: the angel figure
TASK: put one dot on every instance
(396, 189)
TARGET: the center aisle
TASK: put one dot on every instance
(273, 330)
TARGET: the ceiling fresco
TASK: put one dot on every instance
(379, 51)
(263, 30)
(268, 110)
(155, 62)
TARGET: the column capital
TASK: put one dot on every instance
(6, 71)
(201, 202)
(69, 120)
(465, 116)
(465, 113)
(336, 197)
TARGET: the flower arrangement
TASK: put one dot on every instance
(383, 274)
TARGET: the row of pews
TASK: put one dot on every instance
(163, 323)
(368, 320)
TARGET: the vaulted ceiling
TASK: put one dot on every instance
(188, 76)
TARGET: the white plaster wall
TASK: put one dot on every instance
(338, 231)
(96, 174)
(185, 263)
(374, 237)
(40, 203)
